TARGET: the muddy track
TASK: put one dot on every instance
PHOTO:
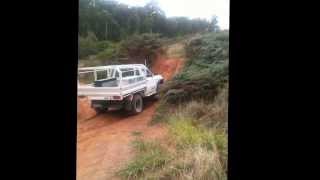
(103, 140)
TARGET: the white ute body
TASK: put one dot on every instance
(118, 84)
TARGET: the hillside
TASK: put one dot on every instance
(194, 109)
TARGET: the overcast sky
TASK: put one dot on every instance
(191, 8)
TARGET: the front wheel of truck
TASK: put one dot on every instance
(156, 96)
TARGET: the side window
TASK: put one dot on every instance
(127, 73)
(137, 73)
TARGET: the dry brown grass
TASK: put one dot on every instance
(176, 50)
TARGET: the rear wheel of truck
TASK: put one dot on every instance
(136, 104)
(100, 110)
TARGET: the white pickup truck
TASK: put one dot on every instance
(119, 86)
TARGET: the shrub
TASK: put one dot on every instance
(87, 45)
(110, 52)
(205, 70)
(144, 46)
(209, 112)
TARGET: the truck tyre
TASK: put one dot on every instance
(136, 104)
(158, 88)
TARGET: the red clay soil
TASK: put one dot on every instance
(167, 67)
(104, 140)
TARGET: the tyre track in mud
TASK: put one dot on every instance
(104, 140)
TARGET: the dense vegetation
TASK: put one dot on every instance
(205, 70)
(135, 49)
(194, 105)
(193, 149)
(109, 31)
(110, 20)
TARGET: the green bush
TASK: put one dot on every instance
(110, 51)
(101, 45)
(144, 46)
(205, 70)
(87, 45)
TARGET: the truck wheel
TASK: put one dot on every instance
(137, 104)
(158, 88)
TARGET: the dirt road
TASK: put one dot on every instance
(103, 141)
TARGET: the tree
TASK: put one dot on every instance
(111, 20)
(213, 26)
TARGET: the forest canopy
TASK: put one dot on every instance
(114, 21)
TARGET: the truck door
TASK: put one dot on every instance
(151, 82)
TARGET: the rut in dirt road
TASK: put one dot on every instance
(104, 140)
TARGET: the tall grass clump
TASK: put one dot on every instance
(188, 135)
(195, 164)
(198, 153)
(198, 129)
(150, 158)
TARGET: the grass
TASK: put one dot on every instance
(150, 157)
(175, 50)
(198, 130)
(136, 133)
(199, 154)
(188, 135)
(207, 113)
(197, 151)
(161, 114)
(197, 164)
